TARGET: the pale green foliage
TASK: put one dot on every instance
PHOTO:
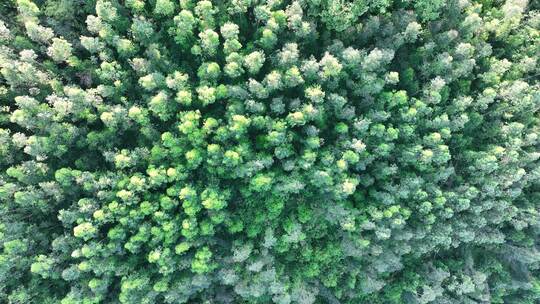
(283, 151)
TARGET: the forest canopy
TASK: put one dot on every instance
(269, 151)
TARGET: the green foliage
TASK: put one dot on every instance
(304, 151)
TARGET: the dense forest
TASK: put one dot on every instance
(270, 151)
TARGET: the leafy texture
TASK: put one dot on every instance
(249, 151)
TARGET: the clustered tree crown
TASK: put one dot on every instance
(269, 151)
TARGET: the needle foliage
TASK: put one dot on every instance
(269, 151)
